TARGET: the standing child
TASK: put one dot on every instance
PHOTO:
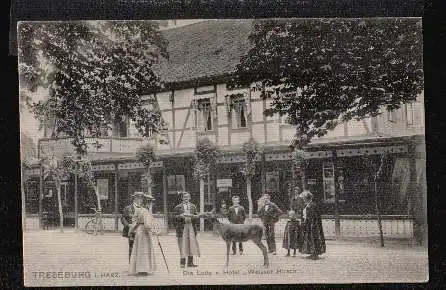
(292, 234)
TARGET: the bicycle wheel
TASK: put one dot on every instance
(89, 227)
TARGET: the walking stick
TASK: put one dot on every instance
(162, 253)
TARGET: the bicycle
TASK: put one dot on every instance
(96, 224)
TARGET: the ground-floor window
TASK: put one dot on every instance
(328, 181)
(175, 184)
(31, 188)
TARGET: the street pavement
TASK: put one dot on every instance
(52, 258)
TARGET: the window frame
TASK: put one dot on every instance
(239, 102)
(209, 195)
(411, 113)
(391, 116)
(204, 106)
(328, 181)
(175, 192)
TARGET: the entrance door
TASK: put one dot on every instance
(223, 199)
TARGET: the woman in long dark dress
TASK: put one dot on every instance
(313, 240)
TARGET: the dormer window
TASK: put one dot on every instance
(239, 114)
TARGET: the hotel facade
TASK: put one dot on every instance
(200, 103)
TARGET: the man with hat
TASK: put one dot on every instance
(127, 217)
(187, 222)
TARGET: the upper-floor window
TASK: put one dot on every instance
(284, 120)
(239, 112)
(203, 115)
(391, 115)
(120, 127)
(409, 113)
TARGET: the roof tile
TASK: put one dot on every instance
(204, 49)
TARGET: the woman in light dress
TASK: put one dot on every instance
(142, 259)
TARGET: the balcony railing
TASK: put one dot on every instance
(95, 145)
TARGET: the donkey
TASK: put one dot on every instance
(238, 233)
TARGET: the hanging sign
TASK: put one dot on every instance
(224, 182)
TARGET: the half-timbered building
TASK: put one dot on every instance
(200, 102)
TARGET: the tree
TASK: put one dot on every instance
(95, 72)
(250, 148)
(321, 72)
(83, 168)
(146, 155)
(377, 168)
(299, 166)
(57, 169)
(205, 159)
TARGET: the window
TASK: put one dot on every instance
(272, 182)
(409, 113)
(64, 193)
(175, 183)
(328, 181)
(132, 130)
(391, 116)
(203, 115)
(120, 128)
(102, 185)
(238, 112)
(31, 190)
(209, 196)
(284, 120)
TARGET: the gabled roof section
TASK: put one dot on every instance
(205, 49)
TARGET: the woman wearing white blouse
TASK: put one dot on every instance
(142, 259)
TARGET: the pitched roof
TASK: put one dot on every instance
(205, 49)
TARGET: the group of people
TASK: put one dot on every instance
(303, 230)
(138, 227)
(306, 236)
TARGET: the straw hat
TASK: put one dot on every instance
(143, 195)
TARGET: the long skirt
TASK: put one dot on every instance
(313, 240)
(292, 236)
(188, 243)
(142, 259)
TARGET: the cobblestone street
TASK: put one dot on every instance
(70, 258)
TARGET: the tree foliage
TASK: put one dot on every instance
(146, 155)
(250, 149)
(205, 158)
(95, 72)
(320, 72)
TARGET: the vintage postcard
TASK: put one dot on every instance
(200, 151)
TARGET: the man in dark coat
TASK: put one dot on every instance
(313, 240)
(236, 215)
(269, 214)
(186, 224)
(127, 215)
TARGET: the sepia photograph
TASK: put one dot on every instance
(223, 151)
